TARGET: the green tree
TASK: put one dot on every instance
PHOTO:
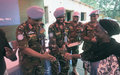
(92, 3)
(110, 8)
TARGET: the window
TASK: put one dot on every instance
(68, 15)
(83, 16)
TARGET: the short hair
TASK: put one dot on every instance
(112, 27)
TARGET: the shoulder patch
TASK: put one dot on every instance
(20, 37)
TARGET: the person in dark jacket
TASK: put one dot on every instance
(5, 50)
(105, 46)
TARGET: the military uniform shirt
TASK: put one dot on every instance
(57, 32)
(31, 37)
(74, 32)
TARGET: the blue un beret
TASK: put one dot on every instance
(59, 12)
(35, 12)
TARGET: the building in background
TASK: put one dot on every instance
(70, 6)
(49, 7)
(19, 8)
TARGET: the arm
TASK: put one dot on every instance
(102, 51)
(9, 53)
(33, 53)
(69, 56)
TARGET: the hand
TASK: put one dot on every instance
(76, 56)
(68, 56)
(48, 57)
(47, 51)
(94, 39)
(86, 38)
(63, 48)
(10, 54)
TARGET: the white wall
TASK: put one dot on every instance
(68, 5)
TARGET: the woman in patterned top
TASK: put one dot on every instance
(104, 49)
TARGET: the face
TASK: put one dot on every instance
(94, 18)
(35, 22)
(60, 19)
(75, 18)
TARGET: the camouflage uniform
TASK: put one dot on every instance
(88, 31)
(74, 36)
(56, 41)
(30, 36)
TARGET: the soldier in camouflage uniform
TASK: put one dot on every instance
(30, 38)
(88, 34)
(75, 29)
(57, 39)
(89, 37)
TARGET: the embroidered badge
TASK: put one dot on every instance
(58, 33)
(42, 30)
(32, 35)
(30, 26)
(20, 37)
(57, 25)
(61, 27)
(51, 34)
(71, 28)
(31, 32)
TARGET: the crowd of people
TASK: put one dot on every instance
(64, 38)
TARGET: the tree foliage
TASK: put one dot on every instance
(110, 8)
(92, 3)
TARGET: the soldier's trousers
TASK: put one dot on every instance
(74, 51)
(33, 68)
(64, 66)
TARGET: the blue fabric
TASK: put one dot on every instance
(47, 67)
(94, 67)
